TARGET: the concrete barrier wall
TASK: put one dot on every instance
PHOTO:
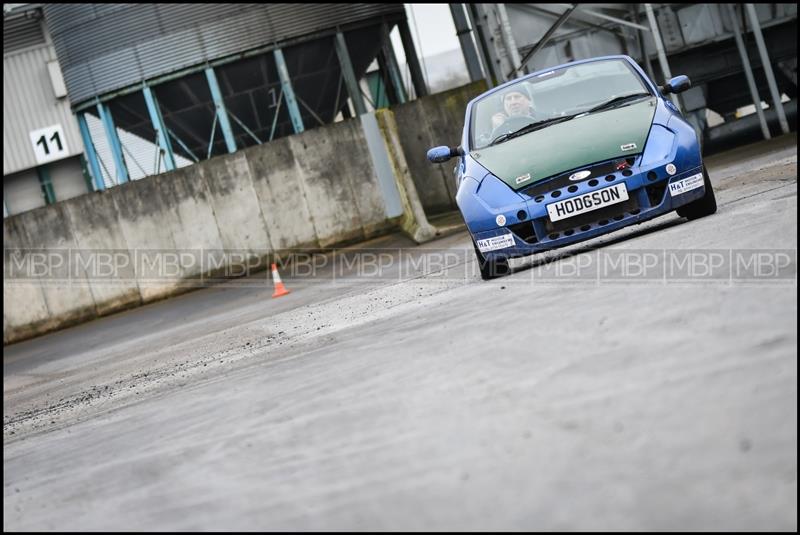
(335, 171)
(315, 189)
(428, 122)
(24, 306)
(95, 224)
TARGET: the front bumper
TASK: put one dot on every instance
(649, 197)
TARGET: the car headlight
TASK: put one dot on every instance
(659, 147)
(481, 202)
(496, 195)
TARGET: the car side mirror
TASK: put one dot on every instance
(679, 84)
(443, 153)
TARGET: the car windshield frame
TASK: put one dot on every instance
(645, 84)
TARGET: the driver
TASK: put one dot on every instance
(517, 102)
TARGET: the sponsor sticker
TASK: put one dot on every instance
(628, 146)
(523, 178)
(580, 175)
(500, 220)
(687, 184)
(497, 242)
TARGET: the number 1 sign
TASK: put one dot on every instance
(49, 144)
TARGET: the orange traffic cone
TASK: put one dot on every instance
(280, 289)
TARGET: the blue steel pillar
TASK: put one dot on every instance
(91, 154)
(464, 33)
(286, 84)
(413, 61)
(391, 65)
(113, 142)
(767, 66)
(159, 127)
(349, 75)
(46, 182)
(222, 113)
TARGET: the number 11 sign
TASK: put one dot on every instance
(49, 144)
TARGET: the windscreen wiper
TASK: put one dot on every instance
(538, 125)
(617, 101)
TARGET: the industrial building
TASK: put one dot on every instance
(42, 150)
(115, 92)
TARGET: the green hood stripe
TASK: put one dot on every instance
(570, 145)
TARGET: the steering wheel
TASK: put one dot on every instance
(512, 124)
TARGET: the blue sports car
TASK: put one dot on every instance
(570, 153)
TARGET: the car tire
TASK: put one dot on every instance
(706, 205)
(491, 269)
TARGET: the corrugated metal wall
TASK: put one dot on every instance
(30, 104)
(21, 32)
(103, 48)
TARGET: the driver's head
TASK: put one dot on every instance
(517, 101)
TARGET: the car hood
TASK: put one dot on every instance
(570, 145)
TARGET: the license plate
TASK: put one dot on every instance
(587, 202)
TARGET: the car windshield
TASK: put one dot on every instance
(559, 93)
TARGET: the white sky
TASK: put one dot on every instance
(434, 32)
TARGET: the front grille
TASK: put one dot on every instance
(615, 212)
(655, 192)
(598, 170)
(525, 231)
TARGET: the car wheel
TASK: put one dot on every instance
(706, 205)
(491, 269)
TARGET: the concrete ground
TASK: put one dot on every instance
(562, 397)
